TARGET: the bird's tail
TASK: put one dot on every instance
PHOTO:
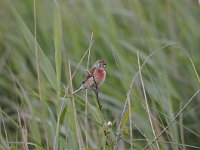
(77, 90)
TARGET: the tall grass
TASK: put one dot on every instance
(150, 97)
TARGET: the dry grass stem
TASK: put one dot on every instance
(78, 133)
(38, 75)
(172, 121)
(134, 79)
(146, 102)
(86, 96)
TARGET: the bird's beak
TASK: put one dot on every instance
(104, 64)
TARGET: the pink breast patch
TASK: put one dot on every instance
(100, 73)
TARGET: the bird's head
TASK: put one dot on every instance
(99, 64)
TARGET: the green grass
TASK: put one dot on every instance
(151, 93)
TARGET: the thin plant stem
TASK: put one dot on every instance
(134, 79)
(38, 76)
(78, 134)
(86, 95)
(172, 121)
(146, 102)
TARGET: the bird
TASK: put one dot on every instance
(94, 78)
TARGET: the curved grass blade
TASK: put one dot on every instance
(43, 61)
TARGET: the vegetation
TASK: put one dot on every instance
(150, 97)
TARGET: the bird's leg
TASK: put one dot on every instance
(96, 92)
(97, 96)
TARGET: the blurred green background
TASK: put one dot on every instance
(35, 77)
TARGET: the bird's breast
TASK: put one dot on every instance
(100, 73)
(100, 76)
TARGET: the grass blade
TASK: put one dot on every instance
(43, 61)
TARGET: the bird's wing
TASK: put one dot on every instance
(89, 74)
(91, 71)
